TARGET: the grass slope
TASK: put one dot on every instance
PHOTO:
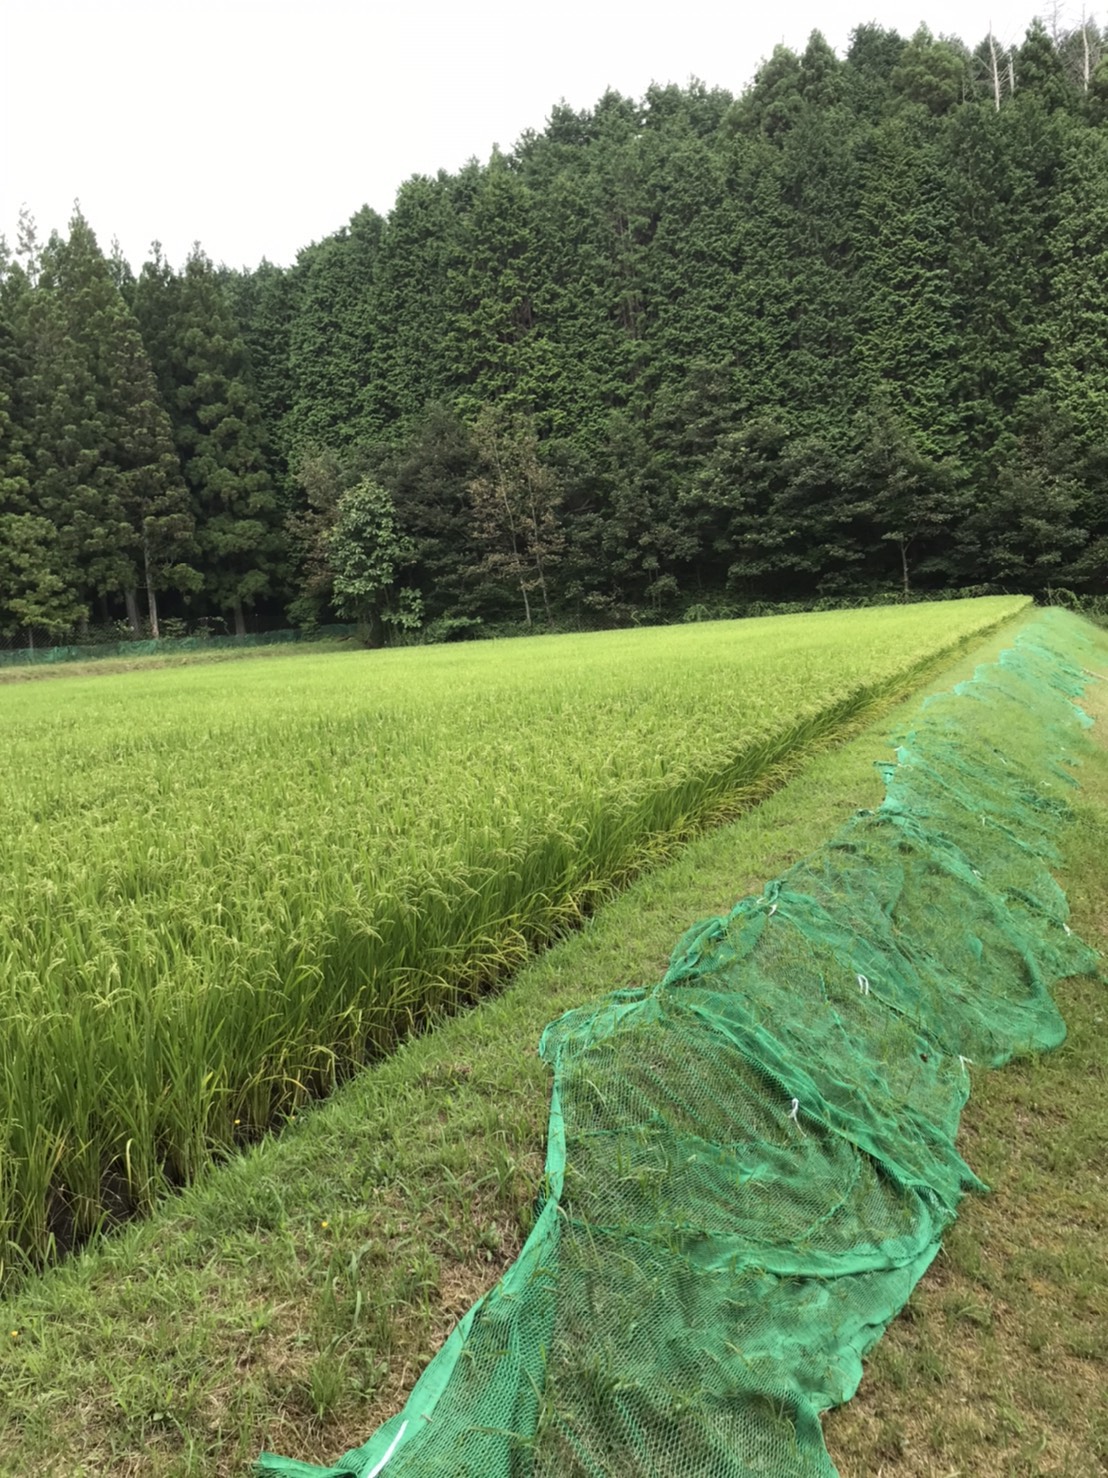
(289, 1299)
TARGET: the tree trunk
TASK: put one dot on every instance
(517, 558)
(151, 594)
(240, 618)
(904, 567)
(542, 587)
(537, 549)
(995, 72)
(132, 613)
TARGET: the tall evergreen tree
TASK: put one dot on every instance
(1077, 358)
(429, 476)
(104, 470)
(34, 594)
(907, 319)
(494, 344)
(204, 374)
(265, 303)
(331, 336)
(915, 501)
(409, 365)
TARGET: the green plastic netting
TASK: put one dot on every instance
(751, 1164)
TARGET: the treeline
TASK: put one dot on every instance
(845, 335)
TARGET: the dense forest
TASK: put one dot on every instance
(843, 336)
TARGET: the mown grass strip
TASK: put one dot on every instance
(219, 898)
(289, 1299)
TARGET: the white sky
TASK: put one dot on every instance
(257, 126)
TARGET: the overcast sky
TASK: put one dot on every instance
(257, 126)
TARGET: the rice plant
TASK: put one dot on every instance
(225, 887)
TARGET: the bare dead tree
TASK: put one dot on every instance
(994, 69)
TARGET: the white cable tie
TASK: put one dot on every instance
(964, 1060)
(772, 911)
(392, 1448)
(1067, 928)
(794, 1111)
(863, 985)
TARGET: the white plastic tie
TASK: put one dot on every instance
(772, 911)
(1067, 928)
(391, 1449)
(964, 1060)
(794, 1111)
(863, 985)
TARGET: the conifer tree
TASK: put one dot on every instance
(330, 343)
(428, 476)
(907, 322)
(494, 344)
(104, 469)
(1077, 360)
(34, 594)
(76, 486)
(204, 374)
(581, 363)
(266, 303)
(409, 362)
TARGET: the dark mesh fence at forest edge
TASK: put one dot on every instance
(751, 1164)
(45, 656)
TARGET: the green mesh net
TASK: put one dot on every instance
(751, 1164)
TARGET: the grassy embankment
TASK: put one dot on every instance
(290, 1298)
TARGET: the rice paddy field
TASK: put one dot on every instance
(226, 887)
